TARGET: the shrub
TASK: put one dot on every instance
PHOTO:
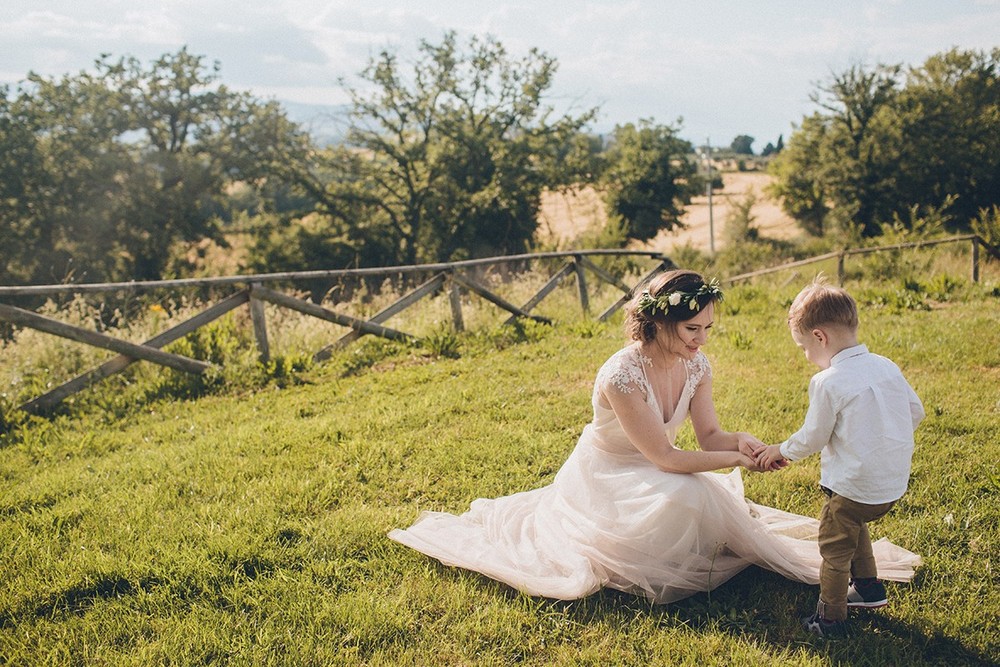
(739, 226)
(987, 225)
(442, 342)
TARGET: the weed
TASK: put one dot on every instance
(442, 342)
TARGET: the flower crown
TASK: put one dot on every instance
(689, 300)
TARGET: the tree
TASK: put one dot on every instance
(740, 224)
(947, 134)
(884, 144)
(774, 149)
(648, 177)
(22, 177)
(448, 160)
(858, 176)
(742, 145)
(124, 161)
(798, 179)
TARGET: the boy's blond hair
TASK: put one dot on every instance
(821, 304)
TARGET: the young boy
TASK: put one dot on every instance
(861, 417)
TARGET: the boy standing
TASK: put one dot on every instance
(861, 417)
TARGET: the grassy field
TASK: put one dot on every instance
(247, 526)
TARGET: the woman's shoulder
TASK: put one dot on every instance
(624, 369)
(699, 367)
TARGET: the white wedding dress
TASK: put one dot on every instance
(610, 518)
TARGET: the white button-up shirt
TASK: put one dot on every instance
(862, 414)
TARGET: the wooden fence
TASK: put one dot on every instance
(451, 276)
(841, 256)
(252, 290)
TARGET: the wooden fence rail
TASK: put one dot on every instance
(445, 276)
(841, 255)
(255, 295)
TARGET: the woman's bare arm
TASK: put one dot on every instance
(644, 429)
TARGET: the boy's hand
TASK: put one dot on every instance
(749, 445)
(769, 458)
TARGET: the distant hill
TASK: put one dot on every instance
(327, 123)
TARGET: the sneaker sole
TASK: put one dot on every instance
(869, 605)
(816, 629)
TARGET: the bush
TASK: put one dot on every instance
(689, 257)
(739, 226)
(987, 225)
(747, 256)
(442, 342)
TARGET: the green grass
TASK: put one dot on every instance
(248, 526)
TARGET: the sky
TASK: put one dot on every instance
(716, 69)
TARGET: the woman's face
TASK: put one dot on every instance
(690, 335)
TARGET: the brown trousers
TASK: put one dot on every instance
(846, 548)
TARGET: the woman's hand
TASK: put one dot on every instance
(749, 462)
(748, 444)
(757, 451)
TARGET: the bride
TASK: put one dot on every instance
(629, 510)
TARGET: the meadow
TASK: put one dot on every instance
(244, 521)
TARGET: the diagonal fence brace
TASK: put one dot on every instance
(27, 318)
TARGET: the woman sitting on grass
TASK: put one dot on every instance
(628, 510)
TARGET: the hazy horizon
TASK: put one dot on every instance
(724, 68)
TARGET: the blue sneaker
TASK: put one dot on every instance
(824, 628)
(870, 596)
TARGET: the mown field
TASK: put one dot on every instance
(247, 525)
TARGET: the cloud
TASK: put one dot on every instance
(56, 43)
(722, 65)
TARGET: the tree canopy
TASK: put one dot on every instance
(102, 172)
(447, 158)
(105, 174)
(886, 140)
(742, 145)
(648, 177)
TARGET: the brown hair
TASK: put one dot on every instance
(640, 323)
(820, 303)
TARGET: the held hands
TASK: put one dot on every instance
(757, 453)
(770, 458)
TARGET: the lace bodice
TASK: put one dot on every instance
(626, 372)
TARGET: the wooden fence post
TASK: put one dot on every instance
(840, 267)
(581, 282)
(310, 308)
(975, 259)
(542, 293)
(664, 265)
(455, 299)
(259, 325)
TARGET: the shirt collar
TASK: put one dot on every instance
(848, 352)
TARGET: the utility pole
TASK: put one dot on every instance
(711, 219)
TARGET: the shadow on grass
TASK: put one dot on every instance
(28, 506)
(81, 598)
(761, 606)
(78, 599)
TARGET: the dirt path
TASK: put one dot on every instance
(566, 216)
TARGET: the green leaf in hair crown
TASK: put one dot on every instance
(677, 298)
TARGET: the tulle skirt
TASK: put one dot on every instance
(617, 521)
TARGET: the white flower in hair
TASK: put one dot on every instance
(674, 298)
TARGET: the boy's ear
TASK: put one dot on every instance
(820, 336)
